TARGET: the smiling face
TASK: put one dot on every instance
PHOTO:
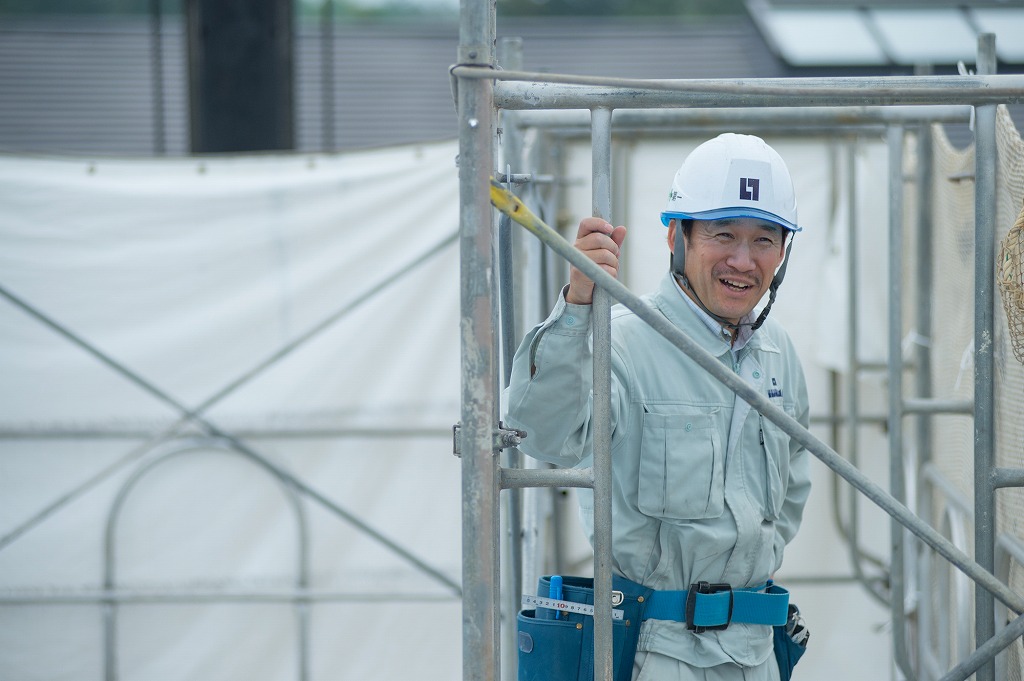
(730, 263)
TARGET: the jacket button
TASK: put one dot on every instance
(757, 374)
(570, 320)
(688, 427)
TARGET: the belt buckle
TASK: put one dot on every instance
(691, 604)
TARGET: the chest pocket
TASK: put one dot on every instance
(775, 443)
(682, 467)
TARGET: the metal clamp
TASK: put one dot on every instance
(691, 605)
(503, 438)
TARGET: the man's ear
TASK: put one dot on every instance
(673, 225)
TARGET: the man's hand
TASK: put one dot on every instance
(600, 242)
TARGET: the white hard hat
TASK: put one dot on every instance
(733, 176)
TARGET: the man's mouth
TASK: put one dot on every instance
(735, 285)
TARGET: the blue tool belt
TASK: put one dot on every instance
(559, 646)
(705, 606)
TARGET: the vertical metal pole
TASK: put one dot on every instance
(601, 122)
(852, 355)
(480, 511)
(510, 56)
(897, 485)
(984, 361)
(923, 382)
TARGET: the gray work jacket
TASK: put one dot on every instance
(704, 488)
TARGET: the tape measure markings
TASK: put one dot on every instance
(564, 606)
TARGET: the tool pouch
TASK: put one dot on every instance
(790, 643)
(559, 646)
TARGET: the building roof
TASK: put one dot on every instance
(884, 34)
(117, 85)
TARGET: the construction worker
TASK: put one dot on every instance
(704, 489)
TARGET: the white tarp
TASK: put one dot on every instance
(189, 273)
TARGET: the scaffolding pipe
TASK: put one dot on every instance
(1007, 477)
(984, 358)
(480, 494)
(800, 117)
(924, 405)
(510, 55)
(512, 555)
(923, 377)
(601, 326)
(524, 90)
(897, 485)
(512, 478)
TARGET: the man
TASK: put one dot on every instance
(704, 489)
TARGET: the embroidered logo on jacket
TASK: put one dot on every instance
(775, 392)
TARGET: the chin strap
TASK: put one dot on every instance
(677, 263)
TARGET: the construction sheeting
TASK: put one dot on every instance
(326, 287)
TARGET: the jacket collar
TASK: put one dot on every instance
(671, 304)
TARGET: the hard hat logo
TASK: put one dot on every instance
(749, 189)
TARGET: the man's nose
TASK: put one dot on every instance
(741, 258)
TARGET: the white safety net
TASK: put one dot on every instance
(953, 345)
(302, 281)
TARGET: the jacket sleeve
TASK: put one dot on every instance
(799, 485)
(550, 390)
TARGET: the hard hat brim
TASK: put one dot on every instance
(731, 212)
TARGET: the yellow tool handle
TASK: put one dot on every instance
(510, 205)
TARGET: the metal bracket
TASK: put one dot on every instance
(503, 438)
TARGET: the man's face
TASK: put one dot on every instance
(730, 263)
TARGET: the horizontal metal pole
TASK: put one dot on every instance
(213, 595)
(871, 366)
(518, 90)
(924, 405)
(1008, 477)
(512, 478)
(769, 116)
(746, 392)
(131, 433)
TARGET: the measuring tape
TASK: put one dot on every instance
(564, 606)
